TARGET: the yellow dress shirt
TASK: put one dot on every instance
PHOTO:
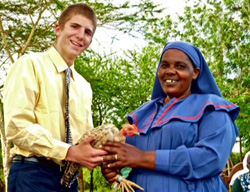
(34, 106)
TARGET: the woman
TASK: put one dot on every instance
(241, 179)
(187, 130)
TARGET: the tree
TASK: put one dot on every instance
(119, 85)
(27, 25)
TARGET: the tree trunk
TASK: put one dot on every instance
(81, 181)
(241, 156)
(5, 148)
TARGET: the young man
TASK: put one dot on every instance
(34, 108)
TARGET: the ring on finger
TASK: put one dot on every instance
(116, 156)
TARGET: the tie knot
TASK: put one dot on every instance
(68, 72)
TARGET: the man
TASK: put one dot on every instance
(34, 108)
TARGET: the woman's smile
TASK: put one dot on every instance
(176, 73)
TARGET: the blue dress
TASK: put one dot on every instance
(193, 139)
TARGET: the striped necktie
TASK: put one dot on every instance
(67, 123)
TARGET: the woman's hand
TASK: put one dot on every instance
(126, 155)
(109, 174)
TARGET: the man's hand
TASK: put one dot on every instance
(85, 154)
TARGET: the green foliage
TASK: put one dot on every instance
(29, 25)
(119, 85)
(20, 17)
(100, 184)
(235, 158)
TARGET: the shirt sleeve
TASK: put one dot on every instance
(21, 92)
(237, 186)
(208, 156)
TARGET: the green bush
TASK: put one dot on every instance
(235, 158)
(99, 182)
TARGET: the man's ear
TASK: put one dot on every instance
(196, 73)
(57, 29)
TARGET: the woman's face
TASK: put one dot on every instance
(248, 162)
(176, 74)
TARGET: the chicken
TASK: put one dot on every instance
(103, 133)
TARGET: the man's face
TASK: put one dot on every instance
(74, 38)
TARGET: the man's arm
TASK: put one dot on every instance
(20, 97)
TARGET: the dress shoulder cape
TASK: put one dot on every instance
(190, 109)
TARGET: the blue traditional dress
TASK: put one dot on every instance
(193, 137)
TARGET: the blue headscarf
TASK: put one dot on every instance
(205, 83)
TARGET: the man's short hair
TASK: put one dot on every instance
(77, 9)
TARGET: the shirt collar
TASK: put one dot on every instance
(160, 101)
(59, 62)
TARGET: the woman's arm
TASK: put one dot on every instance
(208, 156)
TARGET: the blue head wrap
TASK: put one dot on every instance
(204, 84)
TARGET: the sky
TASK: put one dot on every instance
(102, 38)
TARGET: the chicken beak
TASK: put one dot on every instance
(137, 133)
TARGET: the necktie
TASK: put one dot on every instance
(67, 123)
